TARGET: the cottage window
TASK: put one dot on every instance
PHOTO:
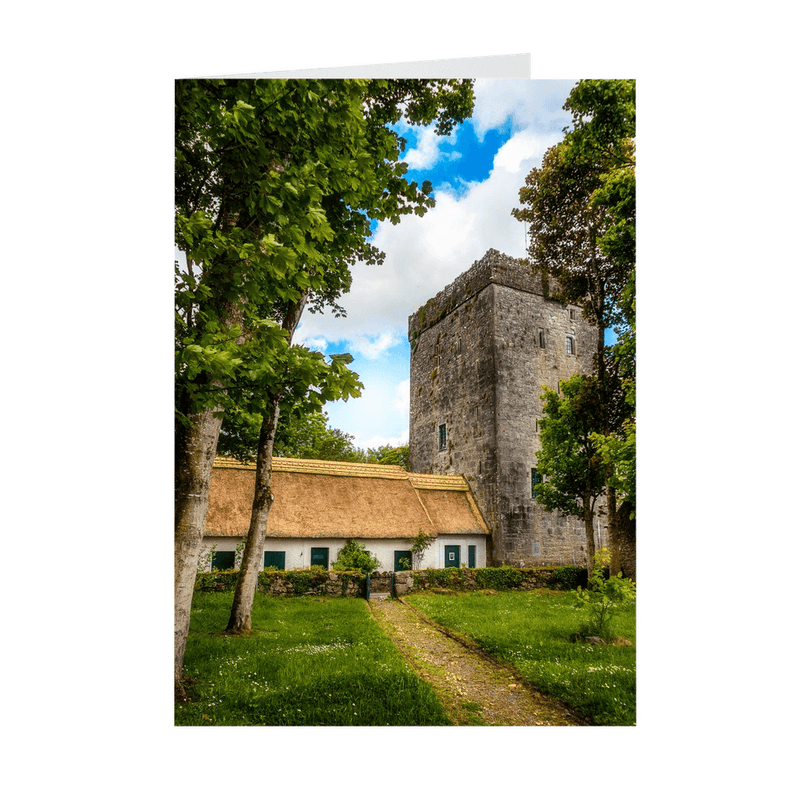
(275, 558)
(402, 560)
(443, 437)
(223, 559)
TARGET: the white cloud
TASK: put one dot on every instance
(373, 346)
(428, 150)
(520, 154)
(379, 416)
(378, 441)
(521, 103)
(312, 342)
(402, 398)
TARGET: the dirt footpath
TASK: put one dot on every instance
(473, 689)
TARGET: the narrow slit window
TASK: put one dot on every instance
(541, 339)
(535, 480)
(442, 437)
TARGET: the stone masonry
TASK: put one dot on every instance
(481, 350)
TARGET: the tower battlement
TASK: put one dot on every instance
(495, 267)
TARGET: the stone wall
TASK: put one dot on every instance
(293, 583)
(481, 351)
(470, 580)
(317, 583)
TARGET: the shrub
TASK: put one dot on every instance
(354, 556)
(499, 578)
(220, 581)
(419, 544)
(604, 597)
(569, 577)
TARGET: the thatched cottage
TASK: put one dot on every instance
(319, 505)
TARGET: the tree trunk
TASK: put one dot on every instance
(196, 447)
(241, 613)
(613, 527)
(626, 535)
(195, 450)
(588, 522)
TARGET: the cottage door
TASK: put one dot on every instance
(452, 555)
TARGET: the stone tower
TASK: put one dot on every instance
(480, 352)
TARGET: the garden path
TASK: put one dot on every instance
(474, 689)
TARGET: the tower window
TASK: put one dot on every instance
(535, 479)
(541, 339)
(442, 437)
(572, 314)
(570, 346)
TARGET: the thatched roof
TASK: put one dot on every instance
(338, 499)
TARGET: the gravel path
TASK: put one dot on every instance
(474, 689)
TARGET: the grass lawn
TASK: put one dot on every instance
(531, 630)
(307, 663)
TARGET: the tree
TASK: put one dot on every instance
(618, 449)
(298, 435)
(277, 183)
(303, 434)
(311, 436)
(569, 461)
(389, 454)
(580, 207)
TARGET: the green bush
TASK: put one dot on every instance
(216, 581)
(267, 577)
(354, 556)
(449, 577)
(499, 578)
(604, 598)
(570, 577)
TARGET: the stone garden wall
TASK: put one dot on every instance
(299, 583)
(493, 578)
(292, 583)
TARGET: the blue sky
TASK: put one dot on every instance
(476, 174)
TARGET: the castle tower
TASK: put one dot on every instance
(480, 352)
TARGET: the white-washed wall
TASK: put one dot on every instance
(298, 551)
